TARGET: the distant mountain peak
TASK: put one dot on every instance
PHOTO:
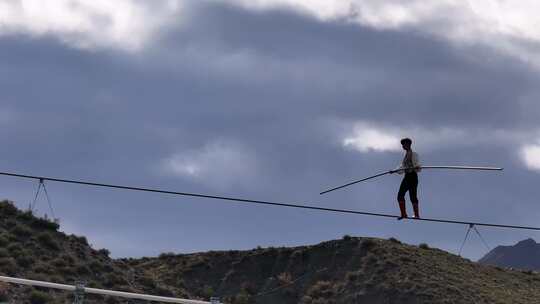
(523, 255)
(527, 242)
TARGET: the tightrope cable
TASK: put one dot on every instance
(267, 203)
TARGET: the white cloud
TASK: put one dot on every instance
(509, 26)
(219, 164)
(370, 137)
(124, 24)
(530, 155)
(323, 9)
(366, 139)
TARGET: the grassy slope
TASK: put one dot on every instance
(32, 248)
(351, 270)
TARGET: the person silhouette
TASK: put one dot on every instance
(410, 166)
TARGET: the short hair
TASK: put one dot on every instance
(406, 141)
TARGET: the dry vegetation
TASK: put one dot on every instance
(351, 270)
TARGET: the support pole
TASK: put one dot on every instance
(79, 293)
(471, 226)
(33, 204)
(41, 185)
(482, 239)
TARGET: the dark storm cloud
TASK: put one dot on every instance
(284, 86)
(377, 74)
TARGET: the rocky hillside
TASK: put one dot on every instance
(32, 248)
(524, 255)
(350, 270)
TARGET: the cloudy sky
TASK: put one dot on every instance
(273, 100)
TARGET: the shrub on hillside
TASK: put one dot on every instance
(26, 216)
(8, 266)
(10, 223)
(147, 282)
(394, 240)
(351, 276)
(14, 249)
(68, 259)
(300, 253)
(112, 300)
(104, 252)
(82, 270)
(79, 239)
(7, 208)
(113, 279)
(242, 298)
(48, 241)
(59, 262)
(424, 246)
(25, 261)
(4, 253)
(285, 278)
(39, 297)
(208, 292)
(163, 292)
(45, 268)
(166, 255)
(21, 231)
(67, 271)
(44, 224)
(105, 267)
(367, 244)
(321, 290)
(3, 240)
(248, 287)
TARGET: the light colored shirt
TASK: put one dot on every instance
(410, 160)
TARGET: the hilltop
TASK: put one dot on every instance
(350, 270)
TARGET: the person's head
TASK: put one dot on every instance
(406, 143)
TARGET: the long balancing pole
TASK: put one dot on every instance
(422, 167)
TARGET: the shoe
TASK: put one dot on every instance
(416, 211)
(403, 210)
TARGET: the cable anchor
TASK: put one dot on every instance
(473, 227)
(32, 207)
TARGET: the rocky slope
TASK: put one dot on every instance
(32, 248)
(351, 270)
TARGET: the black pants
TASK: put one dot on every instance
(409, 183)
